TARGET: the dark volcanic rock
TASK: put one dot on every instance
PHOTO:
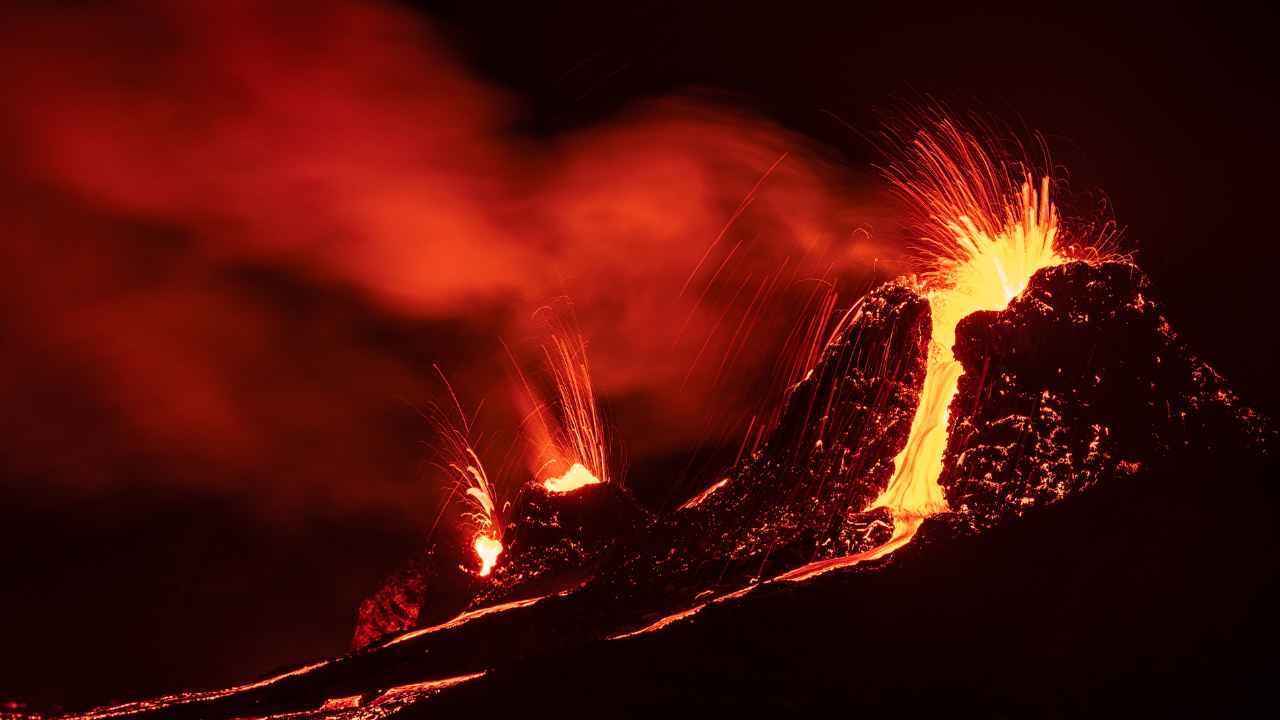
(553, 542)
(832, 452)
(556, 540)
(1080, 379)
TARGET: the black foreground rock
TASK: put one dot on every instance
(1111, 548)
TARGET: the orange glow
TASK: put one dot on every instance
(461, 462)
(582, 436)
(483, 515)
(350, 701)
(415, 691)
(574, 478)
(187, 698)
(463, 619)
(987, 241)
(985, 238)
(904, 529)
(569, 449)
(697, 499)
(488, 549)
(683, 614)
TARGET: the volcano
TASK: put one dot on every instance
(1107, 528)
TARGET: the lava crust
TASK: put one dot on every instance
(1081, 380)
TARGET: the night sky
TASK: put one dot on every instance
(239, 241)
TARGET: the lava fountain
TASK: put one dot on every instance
(460, 462)
(984, 234)
(483, 515)
(985, 241)
(570, 448)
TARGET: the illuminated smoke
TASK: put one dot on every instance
(180, 154)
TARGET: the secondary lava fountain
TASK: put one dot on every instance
(461, 463)
(570, 450)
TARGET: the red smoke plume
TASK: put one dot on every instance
(245, 230)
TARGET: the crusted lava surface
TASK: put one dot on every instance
(1079, 381)
(1110, 544)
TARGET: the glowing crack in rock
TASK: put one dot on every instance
(134, 708)
(697, 499)
(683, 614)
(415, 691)
(463, 619)
(341, 703)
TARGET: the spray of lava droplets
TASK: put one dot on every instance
(985, 240)
(470, 480)
(571, 444)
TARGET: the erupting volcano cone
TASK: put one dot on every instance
(1078, 414)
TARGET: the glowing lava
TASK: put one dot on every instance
(986, 237)
(484, 517)
(574, 478)
(572, 437)
(987, 242)
(487, 549)
(581, 437)
(462, 464)
(697, 499)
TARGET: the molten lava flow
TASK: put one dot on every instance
(190, 698)
(683, 614)
(413, 691)
(991, 242)
(574, 478)
(697, 499)
(993, 239)
(341, 703)
(466, 617)
(487, 549)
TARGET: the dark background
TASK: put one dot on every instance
(122, 588)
